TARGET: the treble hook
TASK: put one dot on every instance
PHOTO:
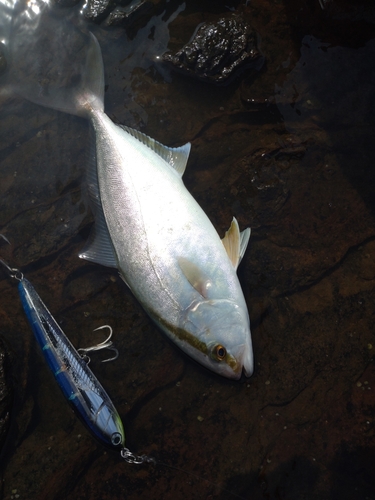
(106, 344)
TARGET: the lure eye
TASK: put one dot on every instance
(116, 439)
(220, 352)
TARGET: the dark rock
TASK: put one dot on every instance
(217, 50)
(5, 395)
(121, 16)
(97, 10)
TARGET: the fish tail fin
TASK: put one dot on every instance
(85, 93)
(90, 94)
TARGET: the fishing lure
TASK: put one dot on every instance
(77, 382)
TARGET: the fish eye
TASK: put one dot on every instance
(220, 352)
(116, 439)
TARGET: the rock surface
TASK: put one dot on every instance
(130, 14)
(5, 394)
(98, 10)
(218, 50)
(126, 13)
(290, 153)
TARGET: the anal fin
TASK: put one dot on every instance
(98, 248)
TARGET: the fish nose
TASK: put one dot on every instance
(245, 362)
(248, 361)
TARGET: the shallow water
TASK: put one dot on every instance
(290, 152)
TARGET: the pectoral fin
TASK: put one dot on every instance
(195, 276)
(235, 242)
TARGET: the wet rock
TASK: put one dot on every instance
(308, 278)
(98, 10)
(5, 395)
(218, 50)
(117, 13)
(129, 14)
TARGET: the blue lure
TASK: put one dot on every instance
(77, 382)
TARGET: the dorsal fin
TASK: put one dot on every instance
(175, 157)
(235, 243)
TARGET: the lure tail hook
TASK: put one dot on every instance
(106, 344)
(13, 271)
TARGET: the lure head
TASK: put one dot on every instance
(216, 333)
(107, 424)
(117, 439)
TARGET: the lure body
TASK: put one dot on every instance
(77, 382)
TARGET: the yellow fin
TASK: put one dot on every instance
(235, 243)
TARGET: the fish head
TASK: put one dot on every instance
(219, 337)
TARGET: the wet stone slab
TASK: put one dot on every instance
(5, 393)
(290, 153)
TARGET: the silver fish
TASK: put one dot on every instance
(151, 229)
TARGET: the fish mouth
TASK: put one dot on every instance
(245, 364)
(248, 361)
